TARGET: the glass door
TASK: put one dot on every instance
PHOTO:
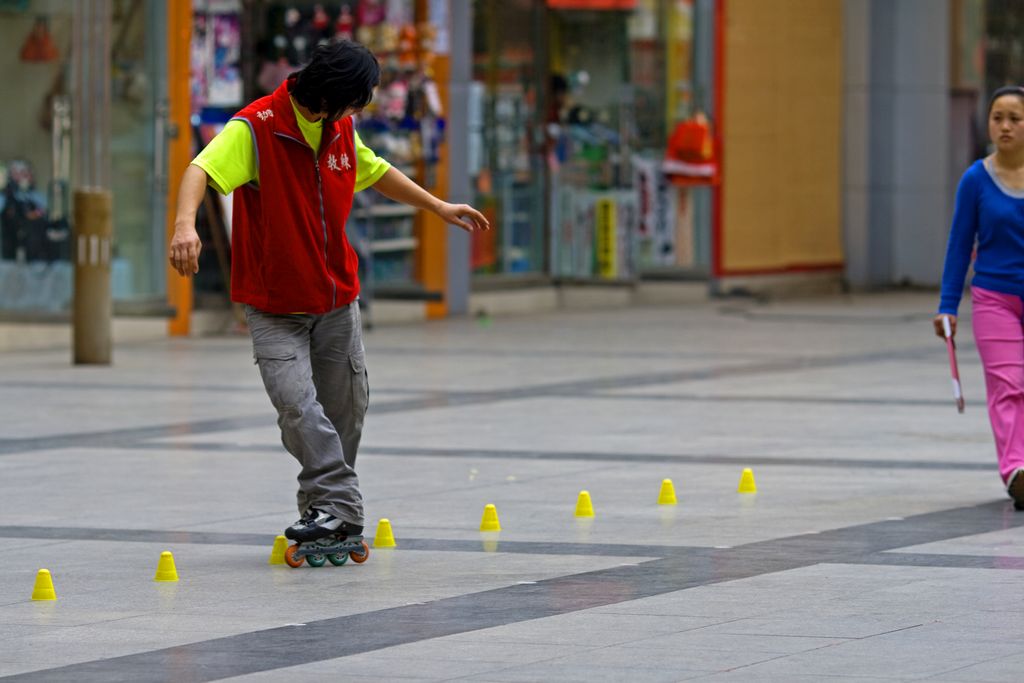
(506, 152)
(35, 271)
(137, 146)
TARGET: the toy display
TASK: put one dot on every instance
(690, 154)
(405, 122)
(216, 55)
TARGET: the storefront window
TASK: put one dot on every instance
(36, 177)
(217, 92)
(594, 129)
(595, 122)
(506, 160)
(638, 83)
(404, 124)
(138, 177)
(1004, 43)
(35, 271)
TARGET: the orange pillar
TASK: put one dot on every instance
(431, 231)
(179, 147)
(433, 251)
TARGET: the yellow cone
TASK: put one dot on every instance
(584, 508)
(667, 496)
(490, 519)
(277, 552)
(165, 571)
(747, 484)
(384, 538)
(43, 589)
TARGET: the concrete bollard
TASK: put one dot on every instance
(92, 308)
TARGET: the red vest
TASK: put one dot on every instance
(289, 253)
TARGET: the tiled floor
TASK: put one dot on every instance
(879, 545)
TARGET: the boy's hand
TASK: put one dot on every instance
(184, 250)
(464, 216)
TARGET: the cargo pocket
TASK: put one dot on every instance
(279, 373)
(271, 352)
(360, 384)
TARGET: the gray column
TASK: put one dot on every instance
(856, 81)
(92, 226)
(896, 140)
(459, 184)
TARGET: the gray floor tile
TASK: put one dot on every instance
(839, 405)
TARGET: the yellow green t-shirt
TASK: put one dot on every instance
(230, 159)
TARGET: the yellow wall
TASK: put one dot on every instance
(782, 135)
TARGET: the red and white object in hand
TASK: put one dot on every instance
(958, 394)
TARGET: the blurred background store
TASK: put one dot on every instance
(51, 113)
(573, 109)
(736, 146)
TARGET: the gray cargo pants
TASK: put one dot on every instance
(314, 371)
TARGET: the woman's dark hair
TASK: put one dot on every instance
(340, 75)
(1014, 90)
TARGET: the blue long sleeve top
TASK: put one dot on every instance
(993, 215)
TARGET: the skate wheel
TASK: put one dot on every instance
(316, 560)
(291, 560)
(359, 558)
(338, 560)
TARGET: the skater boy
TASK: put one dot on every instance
(294, 161)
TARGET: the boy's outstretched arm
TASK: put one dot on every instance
(397, 186)
(185, 245)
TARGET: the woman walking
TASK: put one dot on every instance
(990, 212)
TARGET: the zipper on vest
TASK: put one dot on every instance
(323, 213)
(323, 222)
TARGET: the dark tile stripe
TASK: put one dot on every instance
(267, 540)
(118, 437)
(65, 533)
(295, 645)
(943, 560)
(812, 400)
(108, 438)
(555, 456)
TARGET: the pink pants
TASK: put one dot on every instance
(999, 333)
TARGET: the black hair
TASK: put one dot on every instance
(1015, 90)
(339, 75)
